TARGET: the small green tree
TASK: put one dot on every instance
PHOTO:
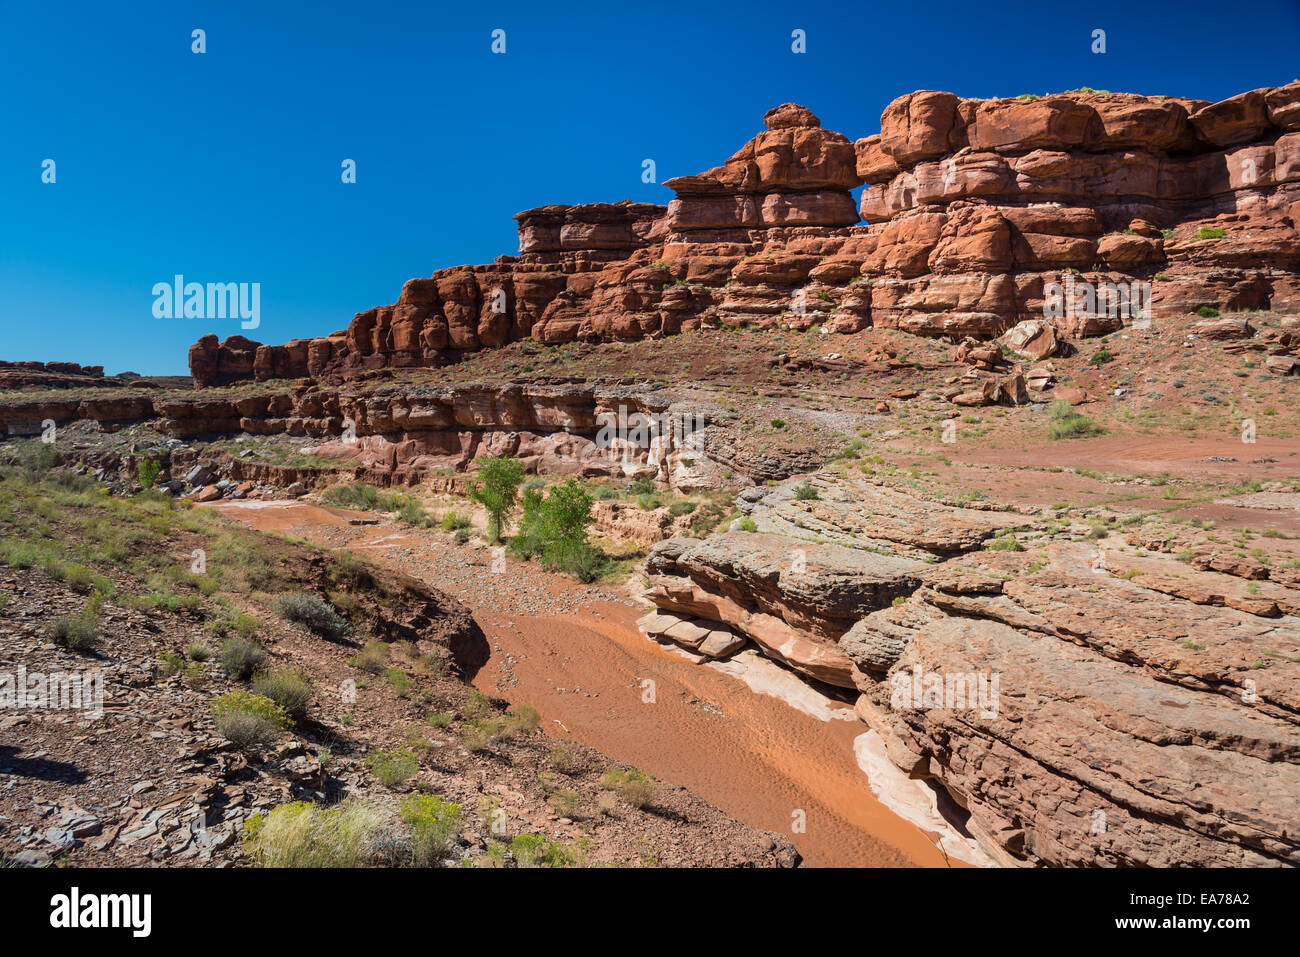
(148, 472)
(555, 527)
(498, 492)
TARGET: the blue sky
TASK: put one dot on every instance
(225, 166)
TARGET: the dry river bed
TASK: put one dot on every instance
(781, 759)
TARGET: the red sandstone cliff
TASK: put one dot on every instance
(971, 207)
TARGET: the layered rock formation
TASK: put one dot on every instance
(57, 375)
(979, 214)
(1129, 710)
(394, 436)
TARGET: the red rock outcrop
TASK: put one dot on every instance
(1140, 711)
(1085, 210)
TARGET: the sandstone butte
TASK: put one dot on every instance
(970, 208)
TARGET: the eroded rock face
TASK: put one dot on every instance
(974, 215)
(1083, 705)
(1131, 726)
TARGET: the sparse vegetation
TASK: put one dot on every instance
(312, 613)
(248, 720)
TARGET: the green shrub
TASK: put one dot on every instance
(373, 658)
(79, 634)
(1207, 312)
(400, 682)
(536, 850)
(778, 423)
(170, 663)
(148, 472)
(678, 509)
(747, 524)
(635, 787)
(1006, 542)
(434, 824)
(524, 717)
(1068, 424)
(645, 485)
(303, 834)
(291, 688)
(452, 521)
(198, 651)
(240, 657)
(351, 496)
(317, 616)
(248, 720)
(395, 767)
(805, 493)
(1210, 232)
(1101, 357)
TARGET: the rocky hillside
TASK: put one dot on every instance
(368, 667)
(971, 211)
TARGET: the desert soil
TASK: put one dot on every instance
(573, 652)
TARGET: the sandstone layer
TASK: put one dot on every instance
(976, 215)
(1080, 704)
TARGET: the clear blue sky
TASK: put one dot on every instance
(226, 166)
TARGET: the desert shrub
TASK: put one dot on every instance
(1101, 357)
(498, 493)
(747, 524)
(1068, 424)
(635, 787)
(645, 485)
(568, 760)
(805, 493)
(80, 579)
(170, 663)
(1207, 312)
(303, 834)
(453, 521)
(604, 493)
(778, 423)
(197, 651)
(248, 720)
(434, 824)
(1006, 542)
(351, 496)
(1210, 232)
(240, 657)
(399, 681)
(395, 767)
(245, 626)
(536, 850)
(477, 734)
(312, 613)
(524, 717)
(678, 509)
(373, 658)
(291, 688)
(80, 633)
